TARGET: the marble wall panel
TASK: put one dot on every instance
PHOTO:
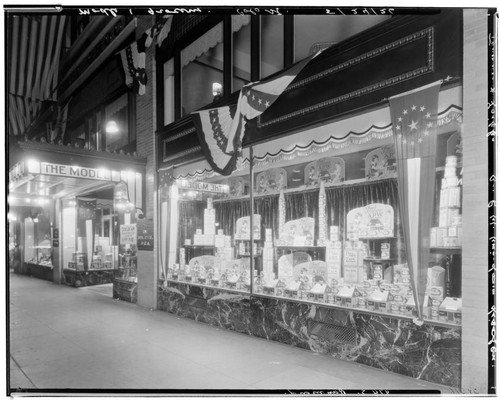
(427, 352)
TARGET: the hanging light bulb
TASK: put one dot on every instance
(112, 127)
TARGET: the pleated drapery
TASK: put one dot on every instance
(339, 201)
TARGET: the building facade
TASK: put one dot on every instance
(326, 234)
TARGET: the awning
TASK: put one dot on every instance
(46, 171)
(34, 48)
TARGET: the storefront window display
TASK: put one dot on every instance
(38, 240)
(211, 239)
(327, 230)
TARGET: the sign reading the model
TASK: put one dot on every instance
(203, 186)
(75, 172)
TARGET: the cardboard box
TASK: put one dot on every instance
(443, 196)
(451, 241)
(433, 239)
(351, 258)
(454, 196)
(353, 274)
(334, 233)
(441, 233)
(379, 299)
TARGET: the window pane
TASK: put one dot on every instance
(168, 92)
(241, 51)
(330, 29)
(202, 65)
(271, 45)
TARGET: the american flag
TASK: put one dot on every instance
(221, 130)
(134, 56)
(414, 117)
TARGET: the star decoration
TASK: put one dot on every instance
(400, 136)
(428, 115)
(404, 141)
(429, 125)
(420, 140)
(413, 108)
(400, 119)
(413, 125)
(398, 127)
(422, 108)
(412, 143)
(426, 133)
(267, 104)
(260, 101)
(253, 97)
(405, 112)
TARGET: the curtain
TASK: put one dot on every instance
(340, 200)
(190, 218)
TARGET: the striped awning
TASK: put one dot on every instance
(34, 43)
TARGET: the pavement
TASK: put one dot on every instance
(81, 340)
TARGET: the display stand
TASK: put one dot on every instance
(125, 279)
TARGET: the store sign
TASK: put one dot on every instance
(128, 234)
(202, 186)
(145, 234)
(373, 221)
(55, 237)
(76, 172)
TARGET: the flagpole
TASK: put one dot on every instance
(252, 260)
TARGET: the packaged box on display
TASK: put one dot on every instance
(443, 197)
(334, 233)
(451, 241)
(441, 233)
(353, 274)
(351, 257)
(220, 241)
(454, 195)
(450, 310)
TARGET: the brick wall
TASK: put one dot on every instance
(146, 125)
(475, 199)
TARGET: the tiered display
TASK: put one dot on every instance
(449, 231)
(221, 268)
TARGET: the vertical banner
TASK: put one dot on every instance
(414, 116)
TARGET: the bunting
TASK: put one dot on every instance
(414, 121)
(133, 57)
(221, 130)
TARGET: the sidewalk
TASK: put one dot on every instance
(67, 338)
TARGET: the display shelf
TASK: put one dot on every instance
(446, 250)
(321, 304)
(377, 238)
(361, 310)
(300, 248)
(208, 286)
